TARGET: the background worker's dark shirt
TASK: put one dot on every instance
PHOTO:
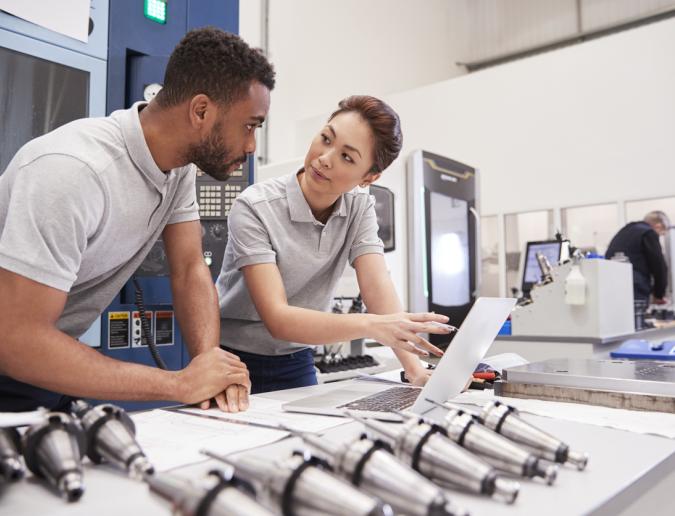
(640, 243)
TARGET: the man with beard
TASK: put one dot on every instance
(81, 207)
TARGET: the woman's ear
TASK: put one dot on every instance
(369, 178)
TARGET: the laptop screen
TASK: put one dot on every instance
(467, 349)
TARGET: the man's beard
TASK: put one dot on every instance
(213, 157)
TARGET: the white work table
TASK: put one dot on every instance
(627, 473)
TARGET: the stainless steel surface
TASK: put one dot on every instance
(381, 474)
(505, 419)
(466, 430)
(647, 377)
(441, 460)
(307, 489)
(11, 467)
(586, 396)
(186, 497)
(111, 437)
(53, 451)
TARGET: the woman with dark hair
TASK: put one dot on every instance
(290, 239)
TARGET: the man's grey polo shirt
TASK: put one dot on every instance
(271, 222)
(81, 207)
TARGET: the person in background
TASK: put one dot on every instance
(639, 241)
(290, 239)
(81, 207)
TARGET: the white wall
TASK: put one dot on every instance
(587, 124)
(582, 125)
(325, 50)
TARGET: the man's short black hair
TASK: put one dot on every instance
(215, 63)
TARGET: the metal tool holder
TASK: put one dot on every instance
(505, 420)
(217, 495)
(11, 467)
(53, 451)
(370, 465)
(110, 436)
(301, 485)
(428, 450)
(466, 430)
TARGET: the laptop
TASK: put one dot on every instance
(372, 399)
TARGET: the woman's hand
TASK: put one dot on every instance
(419, 376)
(399, 331)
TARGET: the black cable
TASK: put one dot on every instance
(146, 333)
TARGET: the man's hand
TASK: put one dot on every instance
(234, 399)
(399, 331)
(215, 374)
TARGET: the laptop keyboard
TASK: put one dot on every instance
(395, 398)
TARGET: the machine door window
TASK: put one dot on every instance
(450, 255)
(37, 96)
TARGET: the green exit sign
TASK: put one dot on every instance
(155, 10)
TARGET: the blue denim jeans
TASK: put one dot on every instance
(278, 372)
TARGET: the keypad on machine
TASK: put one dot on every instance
(216, 200)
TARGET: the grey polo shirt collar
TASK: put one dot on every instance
(139, 152)
(297, 204)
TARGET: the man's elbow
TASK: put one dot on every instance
(189, 274)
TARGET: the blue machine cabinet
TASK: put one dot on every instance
(138, 51)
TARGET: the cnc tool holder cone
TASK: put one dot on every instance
(506, 421)
(370, 465)
(467, 431)
(428, 450)
(218, 495)
(53, 451)
(110, 435)
(301, 486)
(11, 467)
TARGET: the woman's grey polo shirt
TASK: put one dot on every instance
(271, 222)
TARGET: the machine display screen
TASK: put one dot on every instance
(36, 96)
(450, 258)
(532, 272)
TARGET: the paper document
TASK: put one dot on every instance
(504, 361)
(393, 376)
(269, 412)
(655, 423)
(171, 440)
(8, 419)
(68, 17)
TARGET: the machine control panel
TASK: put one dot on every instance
(215, 199)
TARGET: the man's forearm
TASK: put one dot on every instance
(196, 303)
(45, 357)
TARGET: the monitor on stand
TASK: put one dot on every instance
(531, 271)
